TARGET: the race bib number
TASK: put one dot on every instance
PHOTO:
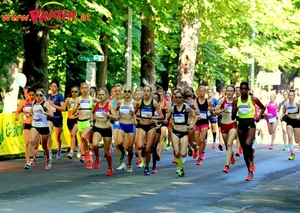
(37, 122)
(125, 110)
(229, 107)
(71, 105)
(244, 109)
(146, 113)
(99, 114)
(179, 118)
(272, 119)
(85, 104)
(203, 114)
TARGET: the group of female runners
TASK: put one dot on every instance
(144, 118)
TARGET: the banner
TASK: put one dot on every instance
(11, 134)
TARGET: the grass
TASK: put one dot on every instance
(1, 107)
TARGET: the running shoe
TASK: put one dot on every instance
(78, 154)
(249, 176)
(129, 168)
(180, 173)
(82, 159)
(141, 165)
(70, 155)
(271, 146)
(183, 159)
(220, 147)
(146, 171)
(177, 170)
(199, 162)
(89, 163)
(50, 155)
(34, 159)
(111, 149)
(252, 166)
(203, 156)
(58, 155)
(232, 160)
(48, 164)
(213, 145)
(285, 147)
(292, 157)
(168, 147)
(226, 169)
(190, 151)
(237, 154)
(109, 172)
(27, 165)
(121, 167)
(97, 163)
(154, 170)
(138, 161)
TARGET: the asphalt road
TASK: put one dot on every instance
(69, 187)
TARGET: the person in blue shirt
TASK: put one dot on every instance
(57, 104)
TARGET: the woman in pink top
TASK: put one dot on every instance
(272, 118)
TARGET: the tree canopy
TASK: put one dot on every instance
(226, 40)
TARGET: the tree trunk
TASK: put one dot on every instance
(36, 41)
(102, 71)
(147, 53)
(187, 55)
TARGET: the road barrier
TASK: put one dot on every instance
(11, 134)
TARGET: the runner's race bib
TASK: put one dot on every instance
(37, 122)
(146, 113)
(179, 118)
(229, 107)
(244, 109)
(272, 119)
(203, 114)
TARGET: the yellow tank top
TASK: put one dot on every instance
(247, 109)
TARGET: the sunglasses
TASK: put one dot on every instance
(176, 97)
(75, 91)
(39, 95)
(127, 91)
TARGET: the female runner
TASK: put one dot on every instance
(291, 107)
(103, 113)
(180, 112)
(228, 126)
(26, 106)
(213, 119)
(147, 107)
(57, 103)
(201, 128)
(189, 99)
(272, 118)
(283, 120)
(84, 104)
(126, 131)
(72, 120)
(40, 111)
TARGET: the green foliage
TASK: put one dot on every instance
(225, 42)
(11, 44)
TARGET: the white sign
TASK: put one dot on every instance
(269, 78)
(297, 83)
(91, 73)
